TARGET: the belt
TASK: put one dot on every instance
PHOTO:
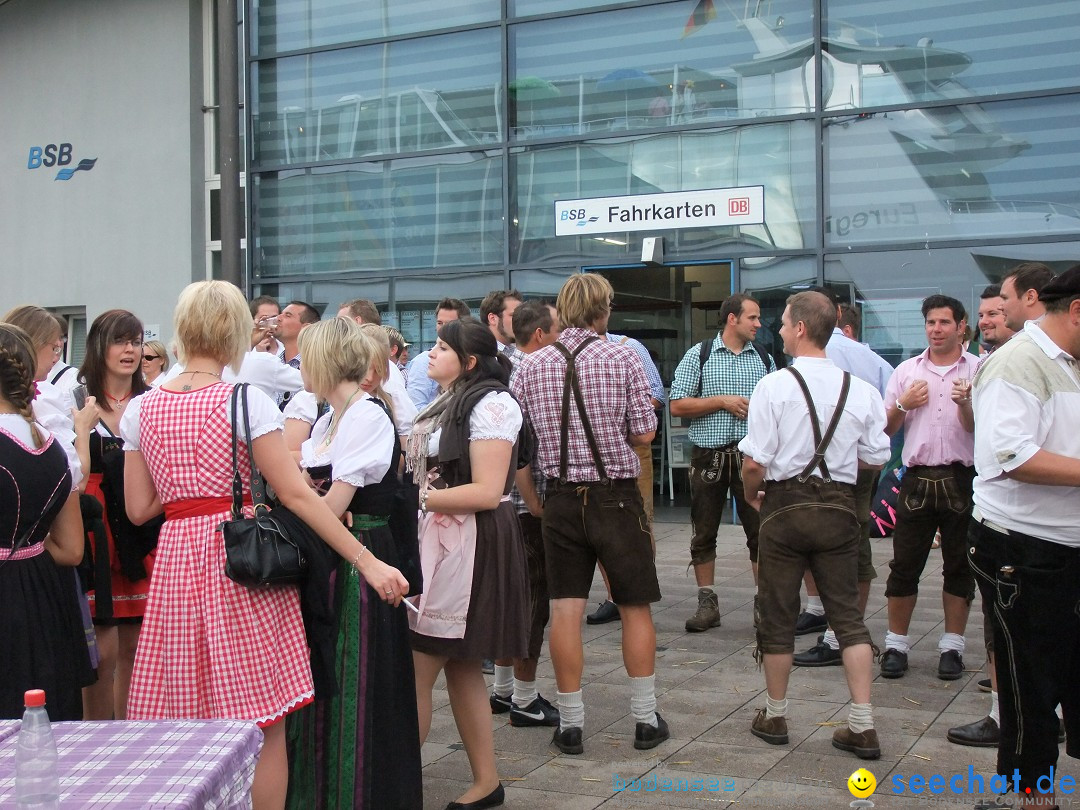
(23, 553)
(977, 516)
(198, 507)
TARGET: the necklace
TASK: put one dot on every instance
(117, 400)
(335, 420)
(188, 386)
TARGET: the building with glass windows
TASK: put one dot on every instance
(405, 152)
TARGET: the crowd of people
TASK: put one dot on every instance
(460, 503)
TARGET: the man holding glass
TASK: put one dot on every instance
(930, 397)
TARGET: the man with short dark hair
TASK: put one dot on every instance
(993, 330)
(1020, 293)
(809, 429)
(588, 402)
(849, 321)
(497, 312)
(536, 325)
(361, 310)
(292, 319)
(1024, 536)
(422, 389)
(930, 397)
(715, 396)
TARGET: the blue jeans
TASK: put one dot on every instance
(1032, 588)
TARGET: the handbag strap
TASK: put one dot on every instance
(822, 442)
(258, 484)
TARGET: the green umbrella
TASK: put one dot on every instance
(527, 90)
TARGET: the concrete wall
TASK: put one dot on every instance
(121, 81)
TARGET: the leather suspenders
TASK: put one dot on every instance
(571, 384)
(821, 442)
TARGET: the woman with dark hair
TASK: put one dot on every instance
(119, 572)
(476, 585)
(42, 645)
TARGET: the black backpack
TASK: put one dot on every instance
(705, 349)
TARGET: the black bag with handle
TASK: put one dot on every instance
(259, 550)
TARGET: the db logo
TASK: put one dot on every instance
(57, 155)
(738, 206)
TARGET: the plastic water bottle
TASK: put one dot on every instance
(37, 784)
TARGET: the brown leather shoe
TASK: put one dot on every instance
(864, 745)
(772, 730)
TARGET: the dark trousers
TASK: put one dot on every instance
(713, 473)
(812, 526)
(932, 498)
(533, 536)
(1032, 587)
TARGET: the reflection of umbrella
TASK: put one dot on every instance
(626, 81)
(530, 89)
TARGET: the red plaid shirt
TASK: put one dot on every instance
(616, 394)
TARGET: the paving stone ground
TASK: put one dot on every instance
(708, 688)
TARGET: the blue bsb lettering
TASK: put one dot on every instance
(54, 154)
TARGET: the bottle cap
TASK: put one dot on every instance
(34, 698)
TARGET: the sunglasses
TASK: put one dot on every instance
(151, 357)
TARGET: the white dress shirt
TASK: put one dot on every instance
(779, 436)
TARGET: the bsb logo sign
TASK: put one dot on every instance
(57, 155)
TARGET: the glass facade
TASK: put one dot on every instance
(410, 151)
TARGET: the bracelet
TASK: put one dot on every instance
(356, 559)
(423, 500)
(900, 407)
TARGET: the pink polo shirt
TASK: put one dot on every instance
(933, 435)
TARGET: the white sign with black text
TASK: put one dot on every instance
(704, 208)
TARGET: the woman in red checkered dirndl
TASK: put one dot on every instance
(211, 648)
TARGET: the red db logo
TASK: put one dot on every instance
(738, 206)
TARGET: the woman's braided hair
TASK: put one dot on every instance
(17, 366)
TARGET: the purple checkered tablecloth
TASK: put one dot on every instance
(166, 764)
(7, 728)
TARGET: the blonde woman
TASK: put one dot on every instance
(360, 748)
(155, 362)
(211, 648)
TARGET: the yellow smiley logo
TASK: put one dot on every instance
(861, 783)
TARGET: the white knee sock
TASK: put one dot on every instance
(951, 641)
(994, 712)
(895, 641)
(643, 699)
(775, 708)
(860, 717)
(813, 605)
(504, 681)
(524, 693)
(571, 710)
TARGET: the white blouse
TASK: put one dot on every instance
(496, 416)
(362, 449)
(263, 414)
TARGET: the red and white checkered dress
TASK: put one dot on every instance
(209, 648)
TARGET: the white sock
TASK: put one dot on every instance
(524, 693)
(951, 641)
(895, 641)
(860, 717)
(994, 712)
(830, 639)
(643, 699)
(775, 708)
(571, 710)
(504, 681)
(813, 605)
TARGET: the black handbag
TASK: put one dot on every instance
(258, 550)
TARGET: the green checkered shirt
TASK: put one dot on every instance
(726, 374)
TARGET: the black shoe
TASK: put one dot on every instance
(820, 655)
(984, 685)
(537, 713)
(493, 799)
(568, 740)
(500, 704)
(607, 612)
(983, 733)
(950, 666)
(488, 667)
(893, 664)
(808, 623)
(647, 736)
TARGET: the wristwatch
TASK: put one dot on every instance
(900, 407)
